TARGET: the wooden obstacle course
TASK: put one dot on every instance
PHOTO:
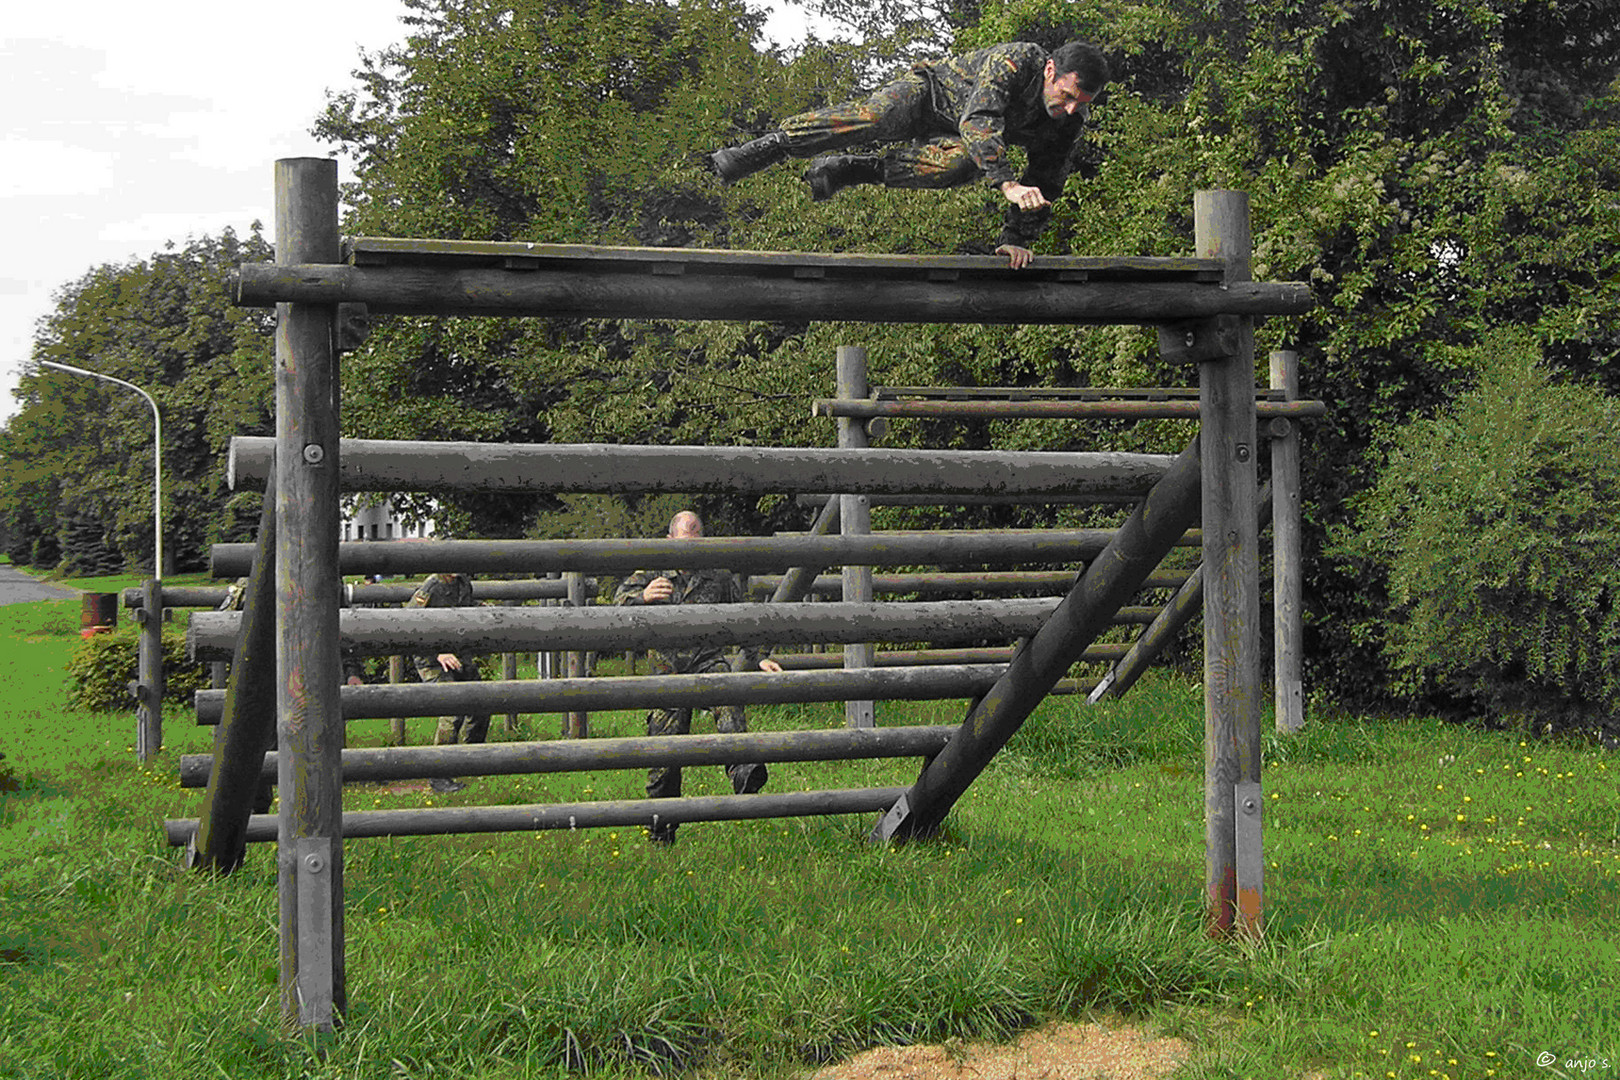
(1203, 307)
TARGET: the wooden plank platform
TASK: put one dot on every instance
(517, 255)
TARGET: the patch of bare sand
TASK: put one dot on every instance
(1059, 1051)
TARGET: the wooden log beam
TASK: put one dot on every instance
(914, 658)
(246, 715)
(1048, 410)
(1041, 661)
(368, 764)
(1232, 700)
(1012, 583)
(403, 465)
(742, 554)
(577, 290)
(308, 728)
(626, 813)
(211, 596)
(414, 631)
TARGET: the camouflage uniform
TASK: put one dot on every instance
(692, 587)
(957, 117)
(449, 590)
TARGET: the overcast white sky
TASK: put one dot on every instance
(128, 125)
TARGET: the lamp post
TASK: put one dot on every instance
(157, 459)
(149, 698)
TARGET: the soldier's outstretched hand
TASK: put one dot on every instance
(1017, 257)
(660, 590)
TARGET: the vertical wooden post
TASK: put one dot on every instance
(1231, 582)
(855, 519)
(397, 735)
(1287, 589)
(149, 661)
(578, 722)
(509, 673)
(309, 671)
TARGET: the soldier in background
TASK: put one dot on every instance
(692, 587)
(438, 591)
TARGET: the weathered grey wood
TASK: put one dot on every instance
(393, 465)
(957, 674)
(1144, 540)
(149, 662)
(794, 585)
(1287, 573)
(247, 721)
(575, 755)
(380, 631)
(855, 519)
(211, 596)
(1012, 583)
(892, 658)
(1165, 628)
(397, 734)
(1061, 410)
(582, 292)
(577, 721)
(309, 723)
(526, 256)
(509, 670)
(619, 814)
(744, 554)
(1231, 564)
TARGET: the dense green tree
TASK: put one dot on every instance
(1435, 171)
(76, 459)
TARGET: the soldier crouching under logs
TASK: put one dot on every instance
(692, 587)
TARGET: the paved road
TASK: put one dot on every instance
(17, 587)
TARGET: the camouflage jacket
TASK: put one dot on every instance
(441, 590)
(691, 587)
(992, 98)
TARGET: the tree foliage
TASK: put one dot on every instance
(76, 459)
(1435, 171)
(1494, 523)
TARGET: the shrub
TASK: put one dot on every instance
(1495, 525)
(102, 667)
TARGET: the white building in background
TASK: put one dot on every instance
(379, 520)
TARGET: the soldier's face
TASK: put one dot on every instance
(1062, 93)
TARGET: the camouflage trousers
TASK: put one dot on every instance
(931, 153)
(454, 729)
(664, 782)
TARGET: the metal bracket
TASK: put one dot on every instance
(1250, 856)
(1194, 340)
(317, 951)
(890, 823)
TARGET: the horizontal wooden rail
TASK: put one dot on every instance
(739, 553)
(625, 813)
(962, 678)
(383, 632)
(431, 278)
(403, 465)
(211, 596)
(867, 408)
(913, 659)
(366, 764)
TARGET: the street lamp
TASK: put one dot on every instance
(157, 459)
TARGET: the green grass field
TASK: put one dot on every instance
(1440, 903)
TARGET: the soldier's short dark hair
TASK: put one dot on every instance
(1083, 60)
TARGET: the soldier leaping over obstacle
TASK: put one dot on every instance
(955, 118)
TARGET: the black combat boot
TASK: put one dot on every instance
(829, 175)
(736, 162)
